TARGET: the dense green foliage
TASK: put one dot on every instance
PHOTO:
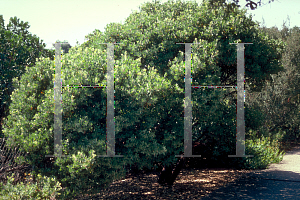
(279, 99)
(149, 95)
(19, 49)
(44, 188)
(158, 28)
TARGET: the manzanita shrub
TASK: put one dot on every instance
(44, 188)
(149, 72)
(84, 129)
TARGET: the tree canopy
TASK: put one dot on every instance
(19, 48)
(149, 73)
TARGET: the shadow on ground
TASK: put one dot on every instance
(279, 181)
(190, 184)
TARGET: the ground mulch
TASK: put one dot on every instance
(190, 184)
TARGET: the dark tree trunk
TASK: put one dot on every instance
(169, 174)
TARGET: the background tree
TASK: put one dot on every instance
(64, 45)
(280, 99)
(18, 49)
(149, 95)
